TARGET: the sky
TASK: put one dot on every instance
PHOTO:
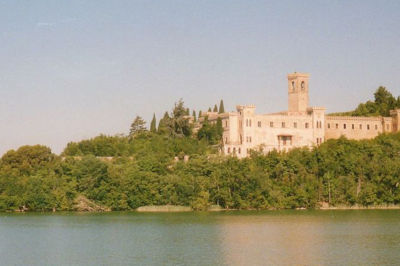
(71, 70)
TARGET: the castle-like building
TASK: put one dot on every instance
(299, 126)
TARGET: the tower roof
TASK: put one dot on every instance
(296, 74)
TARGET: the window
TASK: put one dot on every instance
(249, 122)
(271, 124)
(295, 124)
(337, 126)
(226, 123)
(306, 125)
(293, 86)
(302, 85)
(250, 139)
(344, 126)
(229, 150)
(360, 126)
(283, 124)
(329, 125)
(259, 123)
(285, 140)
(241, 139)
(352, 126)
(376, 127)
(367, 127)
(239, 150)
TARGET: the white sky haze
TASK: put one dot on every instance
(71, 70)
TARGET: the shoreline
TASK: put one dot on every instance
(180, 209)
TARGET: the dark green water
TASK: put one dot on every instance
(364, 237)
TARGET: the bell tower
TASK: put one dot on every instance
(298, 92)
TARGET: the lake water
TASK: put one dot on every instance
(353, 237)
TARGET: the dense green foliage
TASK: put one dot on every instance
(381, 106)
(211, 132)
(144, 172)
(148, 168)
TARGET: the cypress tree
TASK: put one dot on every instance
(209, 109)
(153, 127)
(194, 115)
(162, 125)
(215, 109)
(200, 113)
(221, 107)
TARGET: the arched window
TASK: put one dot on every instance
(239, 150)
(293, 86)
(303, 86)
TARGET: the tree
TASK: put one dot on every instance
(384, 100)
(199, 114)
(153, 127)
(194, 115)
(215, 109)
(209, 109)
(187, 111)
(211, 133)
(179, 123)
(221, 107)
(163, 124)
(138, 126)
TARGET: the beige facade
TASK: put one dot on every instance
(300, 126)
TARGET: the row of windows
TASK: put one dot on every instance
(360, 126)
(283, 124)
(319, 141)
(234, 150)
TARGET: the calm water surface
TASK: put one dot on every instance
(354, 237)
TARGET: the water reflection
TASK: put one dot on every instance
(311, 238)
(231, 238)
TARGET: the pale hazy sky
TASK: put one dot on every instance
(71, 70)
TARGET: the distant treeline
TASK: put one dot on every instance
(341, 172)
(383, 102)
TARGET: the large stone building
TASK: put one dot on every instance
(299, 126)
